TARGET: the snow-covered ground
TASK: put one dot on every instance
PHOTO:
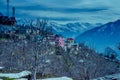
(18, 76)
(1, 67)
(109, 77)
(59, 78)
(15, 75)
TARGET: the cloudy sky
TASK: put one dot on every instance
(64, 11)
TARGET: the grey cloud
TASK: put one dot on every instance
(62, 10)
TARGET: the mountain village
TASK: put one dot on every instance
(36, 52)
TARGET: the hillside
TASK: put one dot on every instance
(81, 63)
(99, 38)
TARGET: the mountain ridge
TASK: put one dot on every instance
(107, 35)
(72, 29)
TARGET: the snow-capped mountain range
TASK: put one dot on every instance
(72, 29)
(66, 30)
(107, 35)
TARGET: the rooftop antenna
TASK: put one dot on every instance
(8, 8)
(13, 13)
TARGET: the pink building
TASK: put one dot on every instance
(59, 40)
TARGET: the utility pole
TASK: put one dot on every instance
(8, 8)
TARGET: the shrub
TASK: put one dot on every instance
(6, 78)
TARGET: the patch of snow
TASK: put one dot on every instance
(109, 77)
(52, 43)
(81, 61)
(15, 75)
(60, 78)
(47, 61)
(85, 27)
(1, 67)
(87, 54)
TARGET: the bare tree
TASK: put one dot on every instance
(41, 32)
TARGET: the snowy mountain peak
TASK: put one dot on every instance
(72, 29)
